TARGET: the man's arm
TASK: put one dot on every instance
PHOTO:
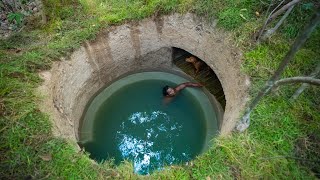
(187, 84)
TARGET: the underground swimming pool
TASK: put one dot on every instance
(131, 120)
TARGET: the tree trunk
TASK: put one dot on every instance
(245, 120)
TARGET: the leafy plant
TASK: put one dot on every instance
(17, 17)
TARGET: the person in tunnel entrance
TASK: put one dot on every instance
(171, 92)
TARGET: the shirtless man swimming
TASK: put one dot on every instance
(171, 92)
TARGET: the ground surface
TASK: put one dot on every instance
(14, 14)
(282, 142)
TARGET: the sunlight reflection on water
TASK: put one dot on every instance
(141, 148)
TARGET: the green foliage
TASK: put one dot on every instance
(262, 152)
(76, 165)
(262, 61)
(115, 11)
(60, 9)
(298, 18)
(16, 17)
(230, 18)
(18, 40)
(232, 14)
(205, 8)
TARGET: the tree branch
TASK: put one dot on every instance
(267, 20)
(284, 8)
(273, 15)
(309, 80)
(305, 85)
(269, 32)
(301, 39)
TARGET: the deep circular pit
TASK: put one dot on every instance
(130, 120)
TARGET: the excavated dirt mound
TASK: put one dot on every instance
(118, 50)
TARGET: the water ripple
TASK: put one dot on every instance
(141, 140)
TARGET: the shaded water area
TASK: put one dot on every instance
(130, 120)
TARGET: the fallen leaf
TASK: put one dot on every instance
(242, 16)
(46, 157)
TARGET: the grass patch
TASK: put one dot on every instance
(267, 150)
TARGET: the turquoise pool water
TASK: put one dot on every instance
(130, 120)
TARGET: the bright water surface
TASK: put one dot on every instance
(135, 124)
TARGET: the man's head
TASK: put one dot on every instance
(168, 91)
